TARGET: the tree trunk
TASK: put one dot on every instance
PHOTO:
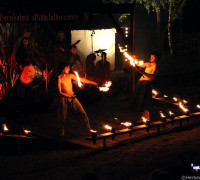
(170, 28)
(160, 43)
(132, 45)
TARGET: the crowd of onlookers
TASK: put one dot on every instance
(26, 52)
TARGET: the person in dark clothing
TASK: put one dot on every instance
(25, 55)
(74, 57)
(60, 51)
(102, 72)
(90, 66)
(142, 96)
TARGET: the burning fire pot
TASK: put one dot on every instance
(128, 125)
(146, 121)
(112, 130)
(171, 115)
(163, 117)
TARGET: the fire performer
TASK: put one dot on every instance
(142, 96)
(68, 98)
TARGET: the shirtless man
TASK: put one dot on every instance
(142, 96)
(68, 98)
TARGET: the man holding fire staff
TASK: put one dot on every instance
(68, 98)
(142, 96)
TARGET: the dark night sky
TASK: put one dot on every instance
(191, 16)
(190, 20)
(191, 10)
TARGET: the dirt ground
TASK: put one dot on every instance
(167, 156)
(172, 154)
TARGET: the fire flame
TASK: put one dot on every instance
(27, 131)
(93, 131)
(5, 128)
(175, 99)
(141, 62)
(165, 96)
(106, 86)
(171, 113)
(182, 107)
(145, 119)
(127, 124)
(154, 92)
(162, 115)
(184, 101)
(108, 127)
(78, 79)
(132, 61)
(198, 106)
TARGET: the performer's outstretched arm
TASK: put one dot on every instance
(84, 80)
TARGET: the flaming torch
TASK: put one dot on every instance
(127, 124)
(78, 79)
(105, 86)
(133, 61)
(184, 109)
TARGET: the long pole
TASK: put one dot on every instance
(46, 79)
(92, 39)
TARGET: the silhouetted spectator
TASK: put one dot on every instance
(60, 51)
(90, 66)
(102, 72)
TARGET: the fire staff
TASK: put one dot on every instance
(68, 98)
(141, 100)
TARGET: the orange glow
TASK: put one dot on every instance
(141, 62)
(132, 61)
(171, 113)
(27, 131)
(106, 86)
(182, 107)
(145, 119)
(127, 124)
(154, 92)
(175, 99)
(108, 127)
(5, 129)
(162, 115)
(184, 101)
(78, 79)
(93, 131)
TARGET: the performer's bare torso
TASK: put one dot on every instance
(66, 85)
(150, 69)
